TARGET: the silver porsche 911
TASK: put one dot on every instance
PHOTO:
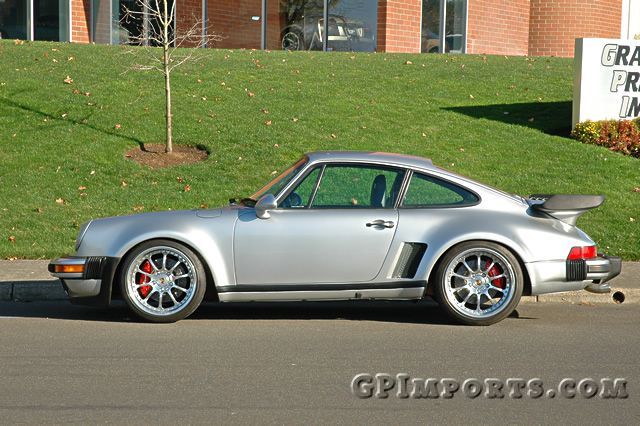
(343, 226)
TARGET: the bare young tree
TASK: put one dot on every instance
(153, 22)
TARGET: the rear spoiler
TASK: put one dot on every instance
(566, 208)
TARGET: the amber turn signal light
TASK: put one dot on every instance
(69, 269)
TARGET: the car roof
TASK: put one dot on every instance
(372, 157)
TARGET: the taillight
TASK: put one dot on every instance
(587, 252)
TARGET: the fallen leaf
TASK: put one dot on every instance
(275, 145)
(124, 183)
(117, 126)
(179, 179)
(250, 94)
(275, 172)
(264, 111)
(631, 219)
(70, 58)
(76, 91)
(461, 149)
(333, 136)
(408, 63)
(38, 210)
(18, 42)
(424, 135)
(531, 120)
(60, 201)
(268, 122)
(204, 98)
(187, 188)
(93, 172)
(471, 97)
(204, 206)
(82, 188)
(12, 239)
(636, 189)
(138, 208)
(295, 119)
(68, 80)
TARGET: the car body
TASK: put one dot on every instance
(341, 226)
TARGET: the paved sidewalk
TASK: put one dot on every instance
(29, 280)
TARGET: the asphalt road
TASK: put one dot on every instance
(293, 364)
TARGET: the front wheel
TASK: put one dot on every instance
(162, 281)
(479, 283)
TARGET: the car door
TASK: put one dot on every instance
(335, 226)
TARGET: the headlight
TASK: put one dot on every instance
(83, 230)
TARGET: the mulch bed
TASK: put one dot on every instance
(153, 155)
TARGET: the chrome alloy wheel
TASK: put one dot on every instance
(479, 283)
(161, 281)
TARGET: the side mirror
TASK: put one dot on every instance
(265, 203)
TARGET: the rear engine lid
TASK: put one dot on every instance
(564, 207)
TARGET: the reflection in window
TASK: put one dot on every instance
(446, 38)
(51, 20)
(352, 25)
(13, 19)
(299, 25)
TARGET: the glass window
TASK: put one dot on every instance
(352, 25)
(101, 31)
(13, 19)
(51, 20)
(294, 24)
(345, 186)
(447, 36)
(302, 195)
(428, 191)
(276, 185)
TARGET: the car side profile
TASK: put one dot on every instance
(344, 226)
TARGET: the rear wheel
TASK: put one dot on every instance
(479, 283)
(162, 281)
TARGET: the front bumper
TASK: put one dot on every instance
(92, 283)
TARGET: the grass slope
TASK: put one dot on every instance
(491, 118)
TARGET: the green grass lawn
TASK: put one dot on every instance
(501, 120)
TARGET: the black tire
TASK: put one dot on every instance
(175, 281)
(475, 273)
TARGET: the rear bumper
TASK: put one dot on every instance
(93, 285)
(559, 276)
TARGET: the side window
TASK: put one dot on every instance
(346, 186)
(301, 195)
(428, 191)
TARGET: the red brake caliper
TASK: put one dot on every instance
(494, 272)
(143, 279)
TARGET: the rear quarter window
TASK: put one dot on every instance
(429, 191)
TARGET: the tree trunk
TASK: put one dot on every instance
(167, 79)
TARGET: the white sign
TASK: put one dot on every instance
(606, 83)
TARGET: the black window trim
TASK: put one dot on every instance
(403, 193)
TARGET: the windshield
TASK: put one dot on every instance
(276, 185)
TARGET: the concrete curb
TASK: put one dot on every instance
(29, 281)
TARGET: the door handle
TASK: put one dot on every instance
(380, 222)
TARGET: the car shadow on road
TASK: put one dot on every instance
(421, 312)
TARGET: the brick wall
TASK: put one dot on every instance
(498, 27)
(80, 20)
(232, 20)
(555, 24)
(399, 25)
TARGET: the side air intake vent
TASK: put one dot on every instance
(410, 258)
